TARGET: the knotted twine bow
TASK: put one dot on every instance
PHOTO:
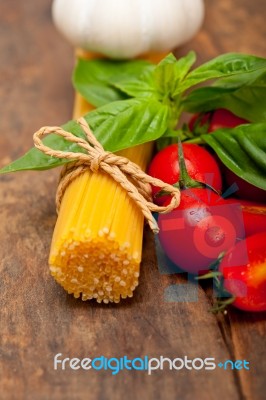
(126, 173)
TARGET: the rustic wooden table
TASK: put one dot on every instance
(38, 319)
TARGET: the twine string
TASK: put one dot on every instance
(126, 173)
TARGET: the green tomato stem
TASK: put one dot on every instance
(185, 181)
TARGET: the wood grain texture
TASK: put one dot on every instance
(38, 319)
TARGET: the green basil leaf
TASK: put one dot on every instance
(128, 123)
(240, 80)
(184, 64)
(242, 150)
(170, 72)
(91, 78)
(220, 67)
(158, 82)
(36, 160)
(165, 76)
(244, 96)
(133, 86)
(116, 126)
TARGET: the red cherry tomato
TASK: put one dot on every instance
(199, 230)
(244, 272)
(200, 164)
(253, 215)
(220, 118)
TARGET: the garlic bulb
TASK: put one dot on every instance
(128, 28)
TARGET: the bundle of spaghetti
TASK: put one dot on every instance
(97, 242)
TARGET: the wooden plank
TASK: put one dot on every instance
(38, 319)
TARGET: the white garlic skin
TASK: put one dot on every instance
(128, 28)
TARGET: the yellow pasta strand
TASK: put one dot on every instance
(97, 242)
